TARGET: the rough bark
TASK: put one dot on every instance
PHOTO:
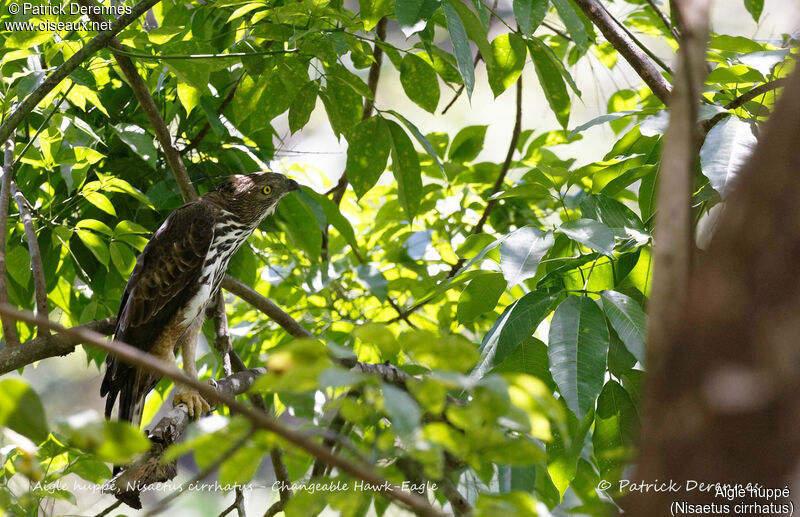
(727, 410)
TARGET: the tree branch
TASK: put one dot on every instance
(39, 283)
(149, 468)
(626, 48)
(752, 93)
(222, 458)
(9, 326)
(44, 346)
(673, 237)
(142, 93)
(61, 73)
(261, 303)
(739, 101)
(672, 30)
(260, 420)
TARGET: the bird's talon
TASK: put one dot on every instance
(195, 403)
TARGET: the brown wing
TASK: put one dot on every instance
(165, 278)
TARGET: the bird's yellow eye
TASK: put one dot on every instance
(267, 190)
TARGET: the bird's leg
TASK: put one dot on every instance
(196, 404)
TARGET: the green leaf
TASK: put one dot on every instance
(573, 23)
(419, 82)
(18, 264)
(480, 295)
(458, 38)
(621, 219)
(591, 234)
(412, 15)
(367, 153)
(402, 410)
(530, 14)
(467, 144)
(333, 216)
(628, 320)
(21, 410)
(551, 80)
(241, 466)
(371, 11)
(420, 137)
(370, 276)
(602, 119)
(302, 106)
(342, 104)
(122, 258)
(518, 322)
(95, 244)
(405, 167)
(302, 225)
(100, 201)
(521, 252)
(509, 54)
(616, 427)
(139, 141)
(726, 148)
(530, 357)
(114, 442)
(578, 350)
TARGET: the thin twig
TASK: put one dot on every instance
(638, 60)
(238, 501)
(108, 510)
(61, 73)
(478, 58)
(9, 326)
(260, 420)
(755, 92)
(39, 284)
(667, 23)
(639, 43)
(555, 29)
(739, 101)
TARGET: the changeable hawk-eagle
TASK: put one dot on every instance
(175, 276)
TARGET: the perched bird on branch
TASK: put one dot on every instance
(177, 273)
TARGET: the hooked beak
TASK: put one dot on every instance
(293, 185)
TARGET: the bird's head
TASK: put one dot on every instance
(252, 197)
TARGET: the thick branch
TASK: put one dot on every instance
(39, 284)
(61, 73)
(9, 328)
(44, 346)
(150, 109)
(673, 235)
(251, 296)
(148, 468)
(260, 420)
(626, 47)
